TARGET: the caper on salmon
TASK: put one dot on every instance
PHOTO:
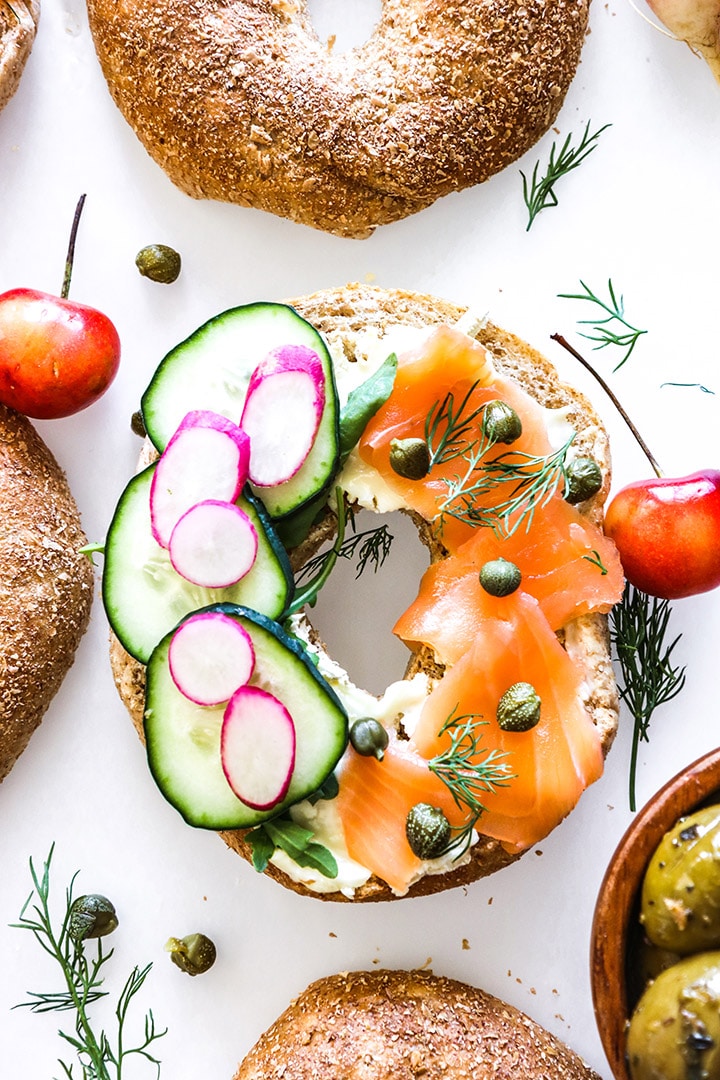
(519, 708)
(368, 737)
(583, 479)
(501, 423)
(410, 458)
(500, 577)
(428, 831)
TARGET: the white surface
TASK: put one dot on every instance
(643, 210)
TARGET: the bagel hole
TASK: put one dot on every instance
(354, 615)
(344, 26)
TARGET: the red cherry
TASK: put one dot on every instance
(667, 532)
(56, 356)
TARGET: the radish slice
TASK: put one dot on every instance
(210, 656)
(214, 544)
(207, 458)
(257, 747)
(283, 407)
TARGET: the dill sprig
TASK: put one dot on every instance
(539, 192)
(469, 771)
(533, 479)
(638, 626)
(614, 329)
(372, 548)
(98, 1057)
(454, 426)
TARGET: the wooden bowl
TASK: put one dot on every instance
(615, 925)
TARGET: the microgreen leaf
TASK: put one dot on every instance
(362, 404)
(295, 841)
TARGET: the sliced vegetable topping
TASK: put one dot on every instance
(214, 544)
(210, 656)
(282, 412)
(207, 458)
(257, 746)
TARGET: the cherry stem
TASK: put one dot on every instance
(643, 445)
(71, 249)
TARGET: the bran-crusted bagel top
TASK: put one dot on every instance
(18, 24)
(239, 100)
(349, 318)
(399, 1025)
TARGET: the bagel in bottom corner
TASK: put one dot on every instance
(46, 584)
(358, 326)
(401, 1025)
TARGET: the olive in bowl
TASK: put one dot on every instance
(625, 964)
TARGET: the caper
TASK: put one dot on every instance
(193, 954)
(500, 577)
(368, 737)
(427, 830)
(137, 424)
(159, 263)
(674, 1032)
(519, 708)
(410, 458)
(501, 423)
(91, 916)
(680, 903)
(583, 478)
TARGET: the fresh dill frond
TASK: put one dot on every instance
(594, 558)
(638, 628)
(533, 479)
(446, 429)
(539, 192)
(614, 329)
(371, 547)
(99, 1057)
(469, 772)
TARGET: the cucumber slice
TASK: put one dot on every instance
(145, 597)
(183, 739)
(211, 370)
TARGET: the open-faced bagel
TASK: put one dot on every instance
(46, 585)
(400, 1025)
(18, 23)
(240, 101)
(351, 319)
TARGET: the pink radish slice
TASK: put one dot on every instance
(210, 656)
(214, 544)
(283, 407)
(257, 747)
(207, 458)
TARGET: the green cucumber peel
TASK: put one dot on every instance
(296, 841)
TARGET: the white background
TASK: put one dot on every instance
(643, 210)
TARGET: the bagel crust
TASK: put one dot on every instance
(18, 23)
(238, 100)
(342, 315)
(46, 585)
(401, 1025)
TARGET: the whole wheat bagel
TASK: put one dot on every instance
(46, 585)
(348, 317)
(239, 100)
(18, 23)
(401, 1025)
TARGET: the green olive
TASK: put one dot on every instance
(427, 830)
(91, 916)
(159, 263)
(680, 905)
(410, 458)
(501, 423)
(193, 954)
(674, 1032)
(368, 737)
(519, 708)
(583, 479)
(500, 577)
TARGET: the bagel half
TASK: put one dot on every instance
(238, 100)
(18, 24)
(343, 316)
(401, 1025)
(46, 585)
